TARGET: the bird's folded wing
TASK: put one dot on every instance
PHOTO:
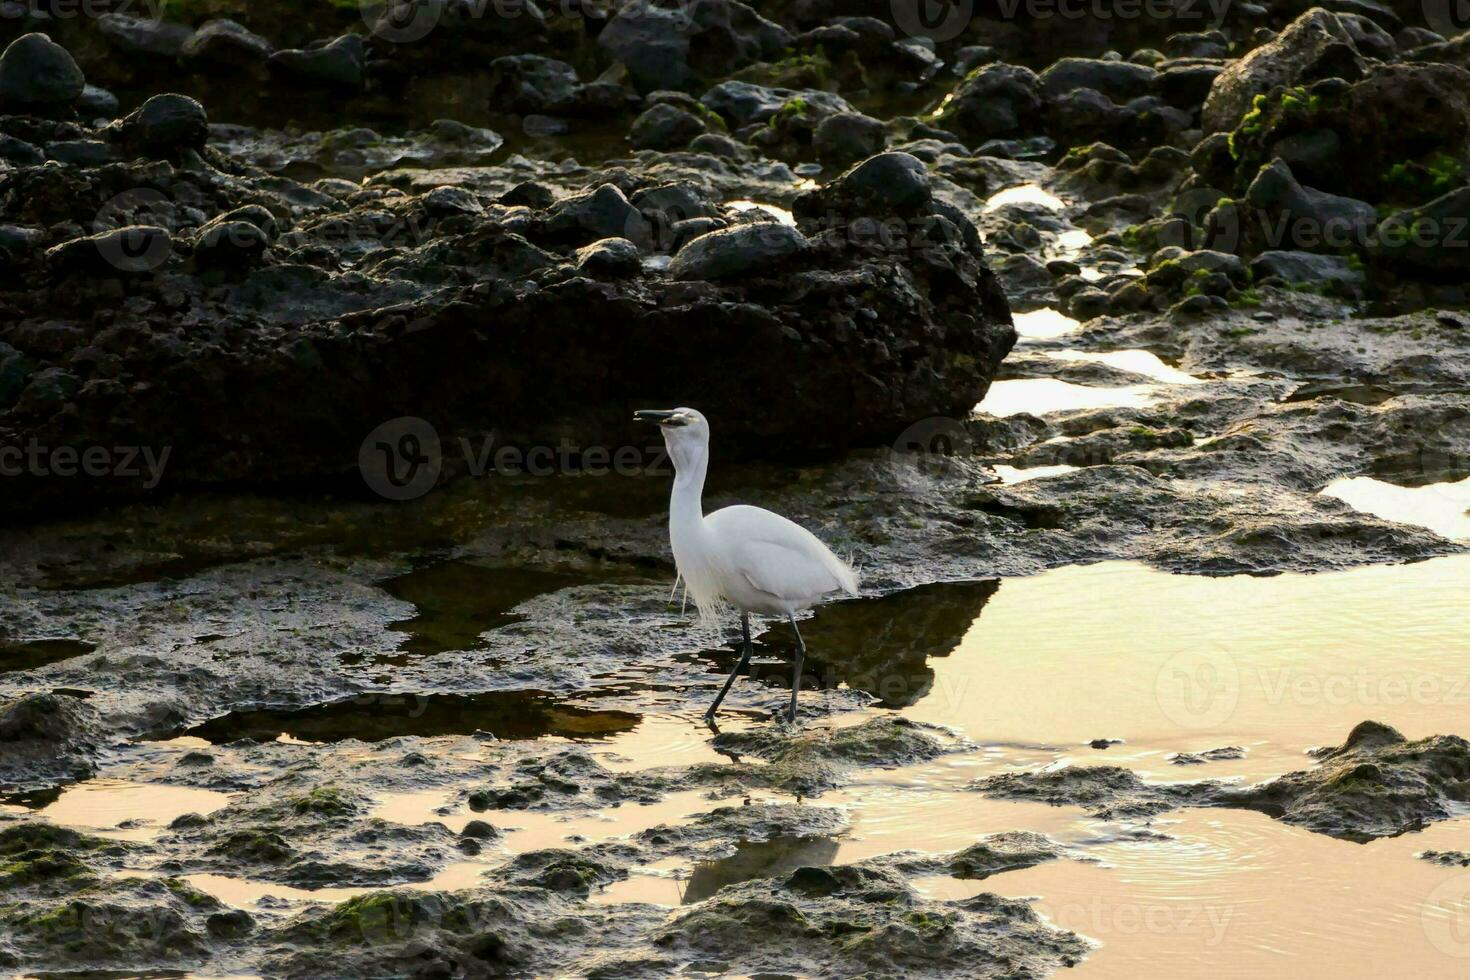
(784, 571)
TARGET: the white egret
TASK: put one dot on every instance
(741, 556)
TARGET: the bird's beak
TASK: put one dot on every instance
(649, 415)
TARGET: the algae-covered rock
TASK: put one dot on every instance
(860, 920)
(1108, 792)
(810, 762)
(1376, 784)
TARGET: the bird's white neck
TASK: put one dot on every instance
(686, 502)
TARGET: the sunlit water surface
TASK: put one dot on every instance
(1031, 672)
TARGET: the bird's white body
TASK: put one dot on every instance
(756, 561)
(741, 556)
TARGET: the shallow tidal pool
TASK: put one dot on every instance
(1035, 672)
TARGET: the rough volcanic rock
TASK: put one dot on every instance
(674, 48)
(994, 101)
(48, 738)
(1315, 45)
(853, 920)
(1376, 784)
(1107, 792)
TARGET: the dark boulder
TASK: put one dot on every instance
(340, 63)
(164, 125)
(37, 72)
(844, 138)
(1316, 45)
(994, 101)
(673, 48)
(224, 44)
(665, 127)
(738, 251)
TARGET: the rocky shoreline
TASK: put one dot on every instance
(254, 256)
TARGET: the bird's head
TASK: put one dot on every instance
(685, 430)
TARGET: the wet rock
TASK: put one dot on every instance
(889, 183)
(665, 127)
(561, 870)
(230, 244)
(1007, 851)
(1118, 80)
(479, 830)
(84, 153)
(1225, 752)
(591, 216)
(130, 249)
(1387, 137)
(36, 71)
(339, 63)
(994, 101)
(117, 923)
(853, 919)
(1306, 267)
(48, 738)
(739, 251)
(811, 762)
(718, 832)
(1106, 792)
(612, 257)
(743, 103)
(533, 83)
(672, 49)
(510, 929)
(308, 838)
(45, 861)
(845, 138)
(568, 780)
(444, 202)
(1315, 45)
(1335, 221)
(1446, 859)
(164, 125)
(1376, 784)
(1429, 240)
(1186, 86)
(19, 152)
(143, 35)
(225, 44)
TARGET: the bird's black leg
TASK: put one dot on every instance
(796, 668)
(745, 651)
